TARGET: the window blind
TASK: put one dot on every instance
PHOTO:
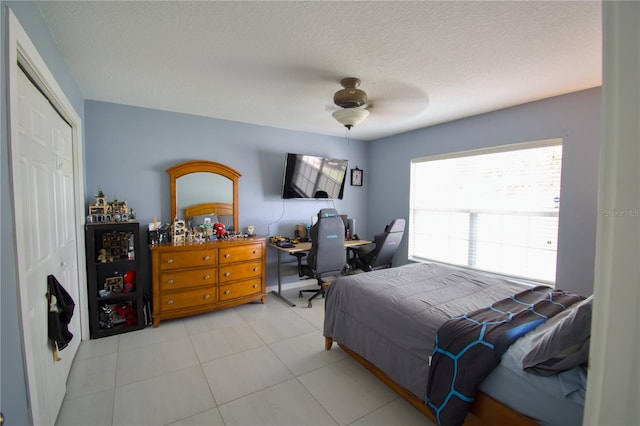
(494, 210)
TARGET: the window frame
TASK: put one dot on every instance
(412, 256)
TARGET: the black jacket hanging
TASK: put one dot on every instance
(61, 307)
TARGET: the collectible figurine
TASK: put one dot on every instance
(103, 211)
(103, 258)
(220, 230)
(129, 278)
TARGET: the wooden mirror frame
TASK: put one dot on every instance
(208, 167)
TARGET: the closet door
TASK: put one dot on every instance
(43, 185)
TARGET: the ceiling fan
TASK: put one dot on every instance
(352, 102)
(393, 102)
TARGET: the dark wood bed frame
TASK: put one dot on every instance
(485, 411)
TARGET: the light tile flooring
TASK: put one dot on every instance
(250, 365)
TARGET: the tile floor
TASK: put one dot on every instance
(250, 365)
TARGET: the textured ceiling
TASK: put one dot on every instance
(279, 63)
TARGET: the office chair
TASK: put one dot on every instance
(327, 254)
(380, 254)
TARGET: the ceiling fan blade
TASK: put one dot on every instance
(331, 107)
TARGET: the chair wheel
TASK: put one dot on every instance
(309, 305)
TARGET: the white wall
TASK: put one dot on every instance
(613, 389)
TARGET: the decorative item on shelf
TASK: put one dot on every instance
(103, 211)
(129, 280)
(118, 245)
(206, 231)
(158, 233)
(114, 314)
(106, 317)
(127, 313)
(153, 233)
(220, 230)
(103, 258)
(114, 284)
(250, 230)
(196, 234)
(178, 231)
(356, 177)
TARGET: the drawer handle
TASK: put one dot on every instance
(255, 269)
(254, 251)
(170, 282)
(226, 274)
(206, 257)
(206, 296)
(227, 291)
(227, 255)
(206, 277)
(170, 302)
(169, 260)
(255, 286)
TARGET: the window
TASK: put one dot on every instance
(495, 210)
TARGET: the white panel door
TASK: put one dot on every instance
(42, 166)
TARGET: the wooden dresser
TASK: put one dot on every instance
(192, 278)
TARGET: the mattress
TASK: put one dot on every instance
(556, 400)
(391, 317)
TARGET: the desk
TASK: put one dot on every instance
(299, 248)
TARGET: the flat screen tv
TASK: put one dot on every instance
(313, 177)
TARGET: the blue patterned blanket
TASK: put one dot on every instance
(469, 347)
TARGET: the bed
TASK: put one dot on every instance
(388, 321)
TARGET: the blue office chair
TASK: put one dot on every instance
(327, 255)
(380, 254)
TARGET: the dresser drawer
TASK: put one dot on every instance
(187, 259)
(240, 271)
(235, 290)
(240, 253)
(187, 299)
(172, 280)
(186, 277)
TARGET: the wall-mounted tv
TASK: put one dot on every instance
(314, 177)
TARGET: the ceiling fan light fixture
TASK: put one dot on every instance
(350, 96)
(350, 117)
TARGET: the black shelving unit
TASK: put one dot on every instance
(114, 278)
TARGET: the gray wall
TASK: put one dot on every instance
(13, 396)
(128, 150)
(574, 117)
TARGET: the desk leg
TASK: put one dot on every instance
(278, 293)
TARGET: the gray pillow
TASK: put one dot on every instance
(564, 344)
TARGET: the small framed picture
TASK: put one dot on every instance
(114, 284)
(356, 177)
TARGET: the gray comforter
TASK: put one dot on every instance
(391, 316)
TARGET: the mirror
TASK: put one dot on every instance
(204, 188)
